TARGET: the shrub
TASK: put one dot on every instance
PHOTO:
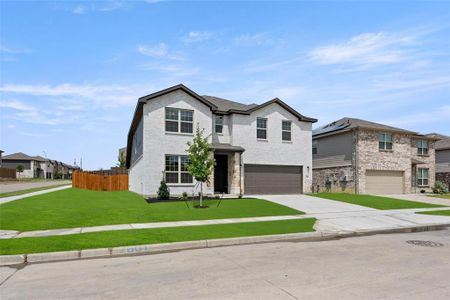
(440, 188)
(422, 191)
(184, 196)
(163, 191)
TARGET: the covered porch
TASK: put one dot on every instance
(227, 176)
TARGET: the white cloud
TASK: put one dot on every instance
(113, 5)
(196, 36)
(11, 126)
(172, 69)
(439, 115)
(17, 105)
(159, 50)
(11, 50)
(366, 49)
(80, 9)
(257, 39)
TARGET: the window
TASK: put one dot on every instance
(286, 134)
(179, 120)
(176, 169)
(422, 177)
(422, 147)
(385, 141)
(261, 128)
(314, 147)
(219, 124)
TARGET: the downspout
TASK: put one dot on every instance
(355, 176)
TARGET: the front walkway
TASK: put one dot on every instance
(18, 197)
(335, 216)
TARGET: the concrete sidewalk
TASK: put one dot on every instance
(18, 197)
(19, 186)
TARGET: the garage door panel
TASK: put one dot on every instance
(384, 182)
(266, 179)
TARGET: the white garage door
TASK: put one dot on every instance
(384, 182)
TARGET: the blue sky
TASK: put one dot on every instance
(71, 72)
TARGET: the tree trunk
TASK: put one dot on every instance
(201, 194)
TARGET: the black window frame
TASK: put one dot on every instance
(177, 167)
(184, 119)
(421, 150)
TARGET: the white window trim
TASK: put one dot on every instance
(261, 128)
(179, 121)
(284, 130)
(179, 172)
(421, 179)
(420, 150)
(215, 124)
(385, 141)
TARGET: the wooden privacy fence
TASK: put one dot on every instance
(100, 182)
(7, 173)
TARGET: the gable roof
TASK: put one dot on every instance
(346, 124)
(216, 104)
(443, 142)
(17, 156)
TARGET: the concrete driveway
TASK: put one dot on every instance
(335, 216)
(421, 198)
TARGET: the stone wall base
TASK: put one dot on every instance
(335, 176)
(444, 177)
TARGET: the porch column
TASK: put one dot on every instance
(235, 173)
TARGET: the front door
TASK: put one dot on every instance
(221, 174)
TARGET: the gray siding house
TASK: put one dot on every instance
(258, 149)
(371, 158)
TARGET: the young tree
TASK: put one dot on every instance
(201, 160)
(122, 160)
(19, 169)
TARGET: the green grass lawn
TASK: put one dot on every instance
(21, 192)
(445, 196)
(82, 208)
(436, 213)
(108, 239)
(376, 202)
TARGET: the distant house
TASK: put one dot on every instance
(442, 148)
(37, 166)
(372, 158)
(1, 153)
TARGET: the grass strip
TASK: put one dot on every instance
(132, 237)
(436, 213)
(376, 202)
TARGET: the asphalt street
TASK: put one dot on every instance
(390, 266)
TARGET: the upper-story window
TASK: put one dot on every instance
(179, 120)
(422, 147)
(286, 130)
(314, 147)
(261, 128)
(219, 124)
(422, 176)
(385, 141)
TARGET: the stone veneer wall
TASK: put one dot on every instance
(371, 158)
(444, 177)
(334, 174)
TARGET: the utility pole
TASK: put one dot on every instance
(46, 165)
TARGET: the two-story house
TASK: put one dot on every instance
(258, 149)
(372, 158)
(442, 149)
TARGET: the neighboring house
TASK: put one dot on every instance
(258, 149)
(1, 153)
(442, 148)
(37, 166)
(122, 155)
(31, 165)
(371, 158)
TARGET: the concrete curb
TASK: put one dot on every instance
(9, 260)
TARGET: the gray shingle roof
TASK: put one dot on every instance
(18, 156)
(350, 123)
(226, 105)
(442, 143)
